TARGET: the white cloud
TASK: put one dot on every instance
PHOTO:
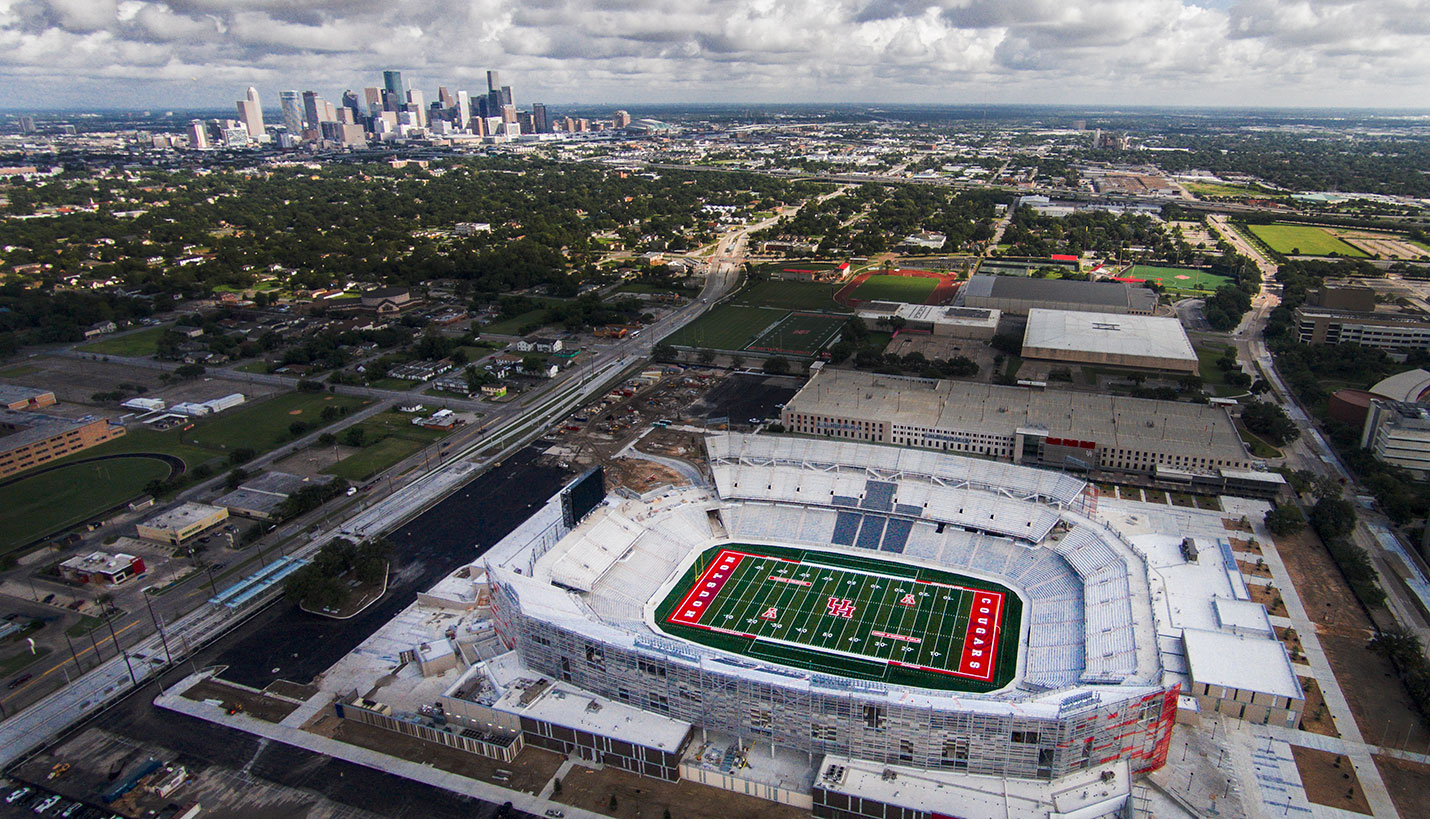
(203, 52)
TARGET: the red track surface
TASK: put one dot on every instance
(942, 294)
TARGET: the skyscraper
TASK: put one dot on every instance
(198, 134)
(312, 110)
(493, 81)
(292, 112)
(250, 113)
(539, 123)
(392, 82)
(464, 110)
(445, 97)
(373, 97)
(417, 106)
(621, 119)
(350, 102)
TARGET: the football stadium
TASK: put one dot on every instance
(859, 604)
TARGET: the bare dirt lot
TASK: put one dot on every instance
(1316, 718)
(257, 705)
(1330, 780)
(1268, 596)
(1406, 782)
(638, 797)
(75, 380)
(312, 461)
(1384, 245)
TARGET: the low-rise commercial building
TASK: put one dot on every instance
(1386, 330)
(102, 568)
(1243, 677)
(178, 525)
(15, 397)
(30, 438)
(940, 320)
(1142, 342)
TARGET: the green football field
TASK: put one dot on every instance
(1179, 279)
(849, 616)
(802, 334)
(908, 289)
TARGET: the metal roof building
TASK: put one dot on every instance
(1016, 295)
(1144, 342)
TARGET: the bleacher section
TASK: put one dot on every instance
(1016, 481)
(878, 496)
(1107, 604)
(846, 528)
(871, 532)
(896, 535)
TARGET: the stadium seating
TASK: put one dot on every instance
(871, 532)
(896, 535)
(846, 528)
(879, 495)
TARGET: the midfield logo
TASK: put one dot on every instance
(841, 607)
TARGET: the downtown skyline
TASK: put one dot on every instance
(185, 54)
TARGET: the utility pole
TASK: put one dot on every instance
(160, 627)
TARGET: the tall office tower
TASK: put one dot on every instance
(350, 102)
(198, 134)
(292, 111)
(27, 125)
(539, 122)
(506, 96)
(493, 81)
(524, 119)
(250, 113)
(417, 105)
(464, 110)
(326, 112)
(445, 97)
(312, 110)
(392, 83)
(621, 119)
(508, 113)
(373, 98)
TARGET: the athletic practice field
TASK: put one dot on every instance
(848, 616)
(801, 334)
(1303, 240)
(909, 289)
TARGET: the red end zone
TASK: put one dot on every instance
(980, 642)
(705, 589)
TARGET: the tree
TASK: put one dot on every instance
(189, 370)
(353, 436)
(1270, 422)
(1285, 519)
(327, 439)
(1333, 518)
(707, 357)
(776, 365)
(664, 352)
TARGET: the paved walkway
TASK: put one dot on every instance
(289, 735)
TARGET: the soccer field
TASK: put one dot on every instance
(1179, 279)
(802, 334)
(848, 616)
(1308, 240)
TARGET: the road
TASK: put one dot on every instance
(504, 428)
(1311, 450)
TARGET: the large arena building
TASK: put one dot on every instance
(855, 629)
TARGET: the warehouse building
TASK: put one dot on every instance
(178, 525)
(1016, 295)
(1060, 429)
(1142, 342)
(262, 497)
(939, 320)
(30, 438)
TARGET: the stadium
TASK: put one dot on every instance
(858, 605)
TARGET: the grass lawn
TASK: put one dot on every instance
(51, 501)
(1231, 191)
(141, 438)
(791, 296)
(728, 327)
(1303, 240)
(1258, 447)
(1212, 375)
(264, 425)
(512, 326)
(10, 665)
(260, 367)
(396, 437)
(642, 287)
(396, 384)
(881, 287)
(139, 344)
(1197, 281)
(16, 372)
(371, 460)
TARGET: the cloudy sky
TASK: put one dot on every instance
(196, 53)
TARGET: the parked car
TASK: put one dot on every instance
(48, 803)
(19, 681)
(16, 795)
